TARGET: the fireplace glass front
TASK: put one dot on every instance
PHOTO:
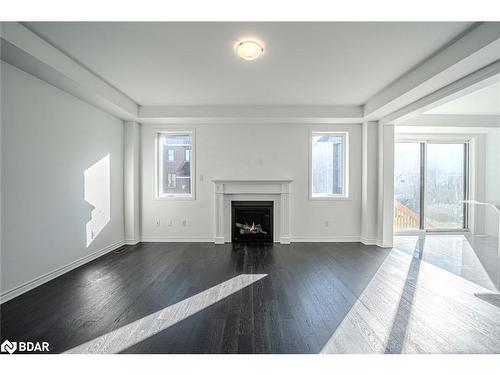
(252, 221)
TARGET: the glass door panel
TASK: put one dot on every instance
(445, 186)
(407, 180)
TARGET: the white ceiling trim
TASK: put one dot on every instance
(462, 86)
(476, 121)
(470, 52)
(339, 114)
(25, 50)
(28, 52)
(422, 132)
(484, 101)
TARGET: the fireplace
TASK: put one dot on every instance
(252, 221)
(227, 191)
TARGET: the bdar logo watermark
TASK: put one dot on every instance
(24, 346)
(8, 347)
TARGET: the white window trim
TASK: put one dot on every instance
(158, 171)
(345, 188)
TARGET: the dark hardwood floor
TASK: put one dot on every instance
(299, 298)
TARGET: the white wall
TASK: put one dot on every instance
(253, 151)
(49, 138)
(492, 180)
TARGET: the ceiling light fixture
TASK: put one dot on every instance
(249, 49)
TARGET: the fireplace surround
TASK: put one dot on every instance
(227, 191)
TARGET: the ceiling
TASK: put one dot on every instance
(303, 63)
(485, 101)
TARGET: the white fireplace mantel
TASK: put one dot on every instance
(227, 190)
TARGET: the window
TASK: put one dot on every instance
(171, 154)
(175, 174)
(328, 169)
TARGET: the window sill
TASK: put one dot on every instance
(174, 198)
(330, 198)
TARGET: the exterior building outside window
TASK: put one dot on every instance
(175, 165)
(328, 173)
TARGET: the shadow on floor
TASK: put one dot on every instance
(491, 298)
(395, 342)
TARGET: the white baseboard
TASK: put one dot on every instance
(219, 240)
(368, 241)
(131, 242)
(23, 288)
(326, 239)
(285, 240)
(177, 239)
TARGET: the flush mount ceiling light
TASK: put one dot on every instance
(249, 49)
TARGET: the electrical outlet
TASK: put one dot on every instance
(158, 222)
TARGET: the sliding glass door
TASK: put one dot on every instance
(445, 186)
(430, 185)
(407, 186)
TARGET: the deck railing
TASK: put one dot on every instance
(404, 217)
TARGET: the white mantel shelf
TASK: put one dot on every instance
(227, 190)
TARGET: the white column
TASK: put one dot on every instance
(385, 185)
(131, 178)
(369, 184)
(219, 214)
(285, 214)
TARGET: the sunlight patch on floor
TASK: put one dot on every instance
(413, 306)
(367, 326)
(453, 253)
(141, 329)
